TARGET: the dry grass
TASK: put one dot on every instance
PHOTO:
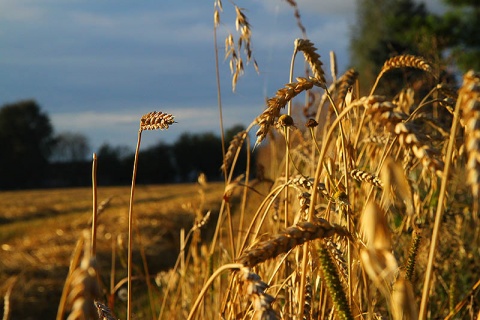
(362, 213)
(40, 230)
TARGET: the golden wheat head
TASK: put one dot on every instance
(290, 238)
(406, 61)
(312, 57)
(156, 120)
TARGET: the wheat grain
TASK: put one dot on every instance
(363, 176)
(290, 238)
(408, 137)
(233, 147)
(156, 120)
(255, 289)
(346, 81)
(312, 57)
(84, 288)
(469, 99)
(407, 60)
(275, 104)
(307, 308)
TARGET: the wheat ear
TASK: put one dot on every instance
(233, 148)
(363, 176)
(156, 121)
(312, 57)
(469, 99)
(346, 81)
(290, 238)
(403, 61)
(275, 104)
(84, 288)
(255, 289)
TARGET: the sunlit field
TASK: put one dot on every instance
(40, 229)
(351, 205)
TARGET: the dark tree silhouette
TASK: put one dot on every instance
(383, 29)
(195, 153)
(156, 165)
(114, 165)
(70, 147)
(26, 141)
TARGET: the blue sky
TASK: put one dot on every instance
(97, 66)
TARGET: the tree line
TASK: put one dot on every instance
(33, 156)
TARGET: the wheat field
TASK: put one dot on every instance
(361, 206)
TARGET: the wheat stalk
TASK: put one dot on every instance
(151, 121)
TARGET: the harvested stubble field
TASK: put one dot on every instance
(40, 229)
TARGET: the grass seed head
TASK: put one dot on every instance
(407, 60)
(312, 57)
(156, 120)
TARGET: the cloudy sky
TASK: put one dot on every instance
(97, 66)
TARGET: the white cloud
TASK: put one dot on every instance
(311, 7)
(120, 127)
(21, 11)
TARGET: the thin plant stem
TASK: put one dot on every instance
(439, 213)
(287, 138)
(130, 228)
(231, 266)
(219, 95)
(145, 270)
(94, 200)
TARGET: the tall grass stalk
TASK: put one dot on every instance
(439, 213)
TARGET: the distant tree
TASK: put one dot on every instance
(156, 165)
(384, 28)
(195, 153)
(114, 165)
(460, 26)
(70, 147)
(26, 140)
